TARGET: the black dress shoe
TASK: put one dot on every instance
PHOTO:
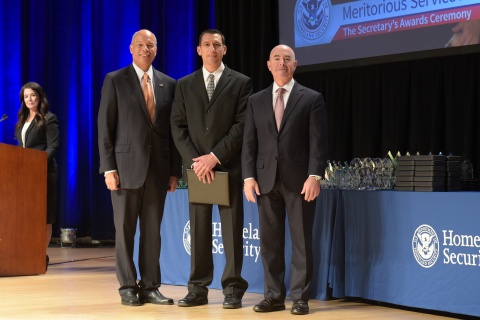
(232, 302)
(193, 299)
(130, 298)
(300, 307)
(154, 297)
(269, 305)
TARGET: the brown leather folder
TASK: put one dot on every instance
(215, 192)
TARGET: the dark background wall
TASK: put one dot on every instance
(425, 105)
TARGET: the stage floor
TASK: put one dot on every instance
(81, 284)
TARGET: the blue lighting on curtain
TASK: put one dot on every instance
(211, 17)
(10, 58)
(177, 53)
(68, 47)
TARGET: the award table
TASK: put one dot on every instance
(415, 249)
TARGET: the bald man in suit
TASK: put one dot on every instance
(208, 132)
(140, 164)
(283, 160)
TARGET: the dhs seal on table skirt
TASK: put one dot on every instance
(425, 246)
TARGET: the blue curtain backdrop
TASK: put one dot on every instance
(68, 47)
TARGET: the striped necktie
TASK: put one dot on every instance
(210, 86)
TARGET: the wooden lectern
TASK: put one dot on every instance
(23, 210)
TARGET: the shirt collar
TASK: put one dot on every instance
(288, 86)
(217, 73)
(140, 72)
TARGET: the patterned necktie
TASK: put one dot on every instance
(210, 86)
(279, 107)
(148, 94)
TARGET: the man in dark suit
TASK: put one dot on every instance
(140, 164)
(283, 160)
(208, 133)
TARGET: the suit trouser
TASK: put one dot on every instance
(300, 214)
(145, 204)
(231, 218)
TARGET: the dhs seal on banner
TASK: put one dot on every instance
(311, 18)
(425, 246)
(186, 238)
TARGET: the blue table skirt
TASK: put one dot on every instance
(416, 249)
(368, 244)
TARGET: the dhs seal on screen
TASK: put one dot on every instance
(425, 246)
(311, 18)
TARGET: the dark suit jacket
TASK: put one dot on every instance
(44, 138)
(200, 126)
(298, 149)
(126, 136)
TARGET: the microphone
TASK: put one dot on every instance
(4, 117)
